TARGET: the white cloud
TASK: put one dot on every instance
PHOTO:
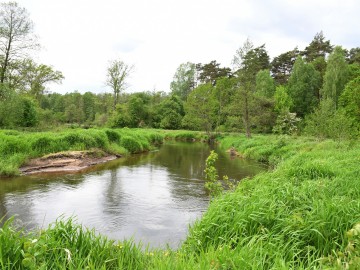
(80, 37)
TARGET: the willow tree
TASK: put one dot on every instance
(16, 36)
(117, 73)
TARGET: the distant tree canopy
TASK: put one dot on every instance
(313, 91)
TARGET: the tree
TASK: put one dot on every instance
(211, 72)
(336, 75)
(353, 56)
(16, 35)
(201, 109)
(224, 90)
(74, 108)
(283, 101)
(248, 61)
(318, 47)
(117, 73)
(32, 77)
(282, 65)
(169, 113)
(251, 59)
(326, 122)
(303, 87)
(89, 106)
(265, 85)
(184, 80)
(286, 122)
(350, 100)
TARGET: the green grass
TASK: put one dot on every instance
(184, 135)
(302, 214)
(16, 147)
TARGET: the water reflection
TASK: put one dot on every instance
(152, 197)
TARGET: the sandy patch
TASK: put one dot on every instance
(71, 161)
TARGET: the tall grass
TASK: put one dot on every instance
(303, 214)
(16, 147)
(292, 216)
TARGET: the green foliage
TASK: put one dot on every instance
(303, 87)
(336, 75)
(283, 101)
(16, 148)
(318, 47)
(279, 219)
(184, 80)
(286, 123)
(212, 184)
(17, 110)
(350, 100)
(282, 65)
(201, 108)
(251, 60)
(211, 72)
(326, 122)
(113, 135)
(265, 85)
(348, 257)
(131, 144)
(29, 113)
(117, 73)
(169, 113)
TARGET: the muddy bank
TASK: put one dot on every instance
(233, 153)
(71, 161)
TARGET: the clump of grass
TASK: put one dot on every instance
(131, 144)
(113, 135)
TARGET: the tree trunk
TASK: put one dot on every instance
(246, 117)
(6, 62)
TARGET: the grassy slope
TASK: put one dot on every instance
(294, 216)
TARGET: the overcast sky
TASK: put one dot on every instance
(80, 37)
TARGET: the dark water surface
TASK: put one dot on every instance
(151, 197)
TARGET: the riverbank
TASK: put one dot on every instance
(19, 149)
(69, 161)
(303, 214)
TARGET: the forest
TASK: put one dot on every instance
(312, 90)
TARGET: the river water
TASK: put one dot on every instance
(151, 197)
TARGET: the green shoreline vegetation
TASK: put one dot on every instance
(18, 147)
(303, 214)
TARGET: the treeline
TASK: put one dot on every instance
(314, 91)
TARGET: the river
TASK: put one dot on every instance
(150, 197)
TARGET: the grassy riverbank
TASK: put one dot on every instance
(18, 147)
(300, 215)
